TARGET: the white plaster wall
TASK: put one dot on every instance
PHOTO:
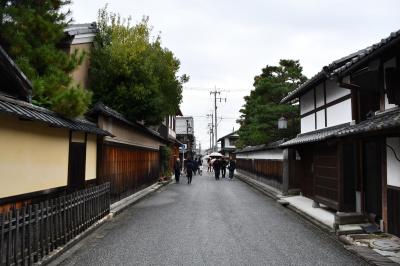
(228, 144)
(268, 155)
(387, 64)
(339, 113)
(307, 123)
(334, 92)
(319, 95)
(307, 102)
(393, 166)
(321, 119)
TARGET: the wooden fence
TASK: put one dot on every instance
(128, 169)
(266, 170)
(32, 232)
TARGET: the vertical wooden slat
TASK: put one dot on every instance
(41, 230)
(30, 258)
(10, 232)
(64, 214)
(36, 234)
(23, 236)
(2, 221)
(17, 235)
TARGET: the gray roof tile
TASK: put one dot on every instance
(30, 111)
(315, 136)
(385, 120)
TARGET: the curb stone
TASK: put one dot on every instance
(115, 210)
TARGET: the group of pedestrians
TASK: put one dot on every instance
(190, 166)
(219, 166)
(195, 166)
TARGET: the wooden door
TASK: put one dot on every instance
(393, 205)
(326, 176)
(304, 173)
(372, 182)
(76, 166)
(349, 161)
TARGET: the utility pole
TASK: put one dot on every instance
(215, 92)
(211, 131)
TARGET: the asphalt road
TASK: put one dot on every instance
(208, 223)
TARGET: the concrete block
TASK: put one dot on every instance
(350, 218)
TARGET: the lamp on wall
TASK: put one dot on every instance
(282, 123)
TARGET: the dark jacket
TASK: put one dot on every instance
(189, 165)
(232, 165)
(177, 166)
(217, 165)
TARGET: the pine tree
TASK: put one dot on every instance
(31, 31)
(262, 107)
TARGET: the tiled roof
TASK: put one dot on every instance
(384, 120)
(20, 84)
(105, 110)
(269, 146)
(232, 134)
(315, 136)
(367, 53)
(29, 111)
(342, 66)
(84, 28)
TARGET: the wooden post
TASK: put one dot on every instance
(384, 185)
(285, 172)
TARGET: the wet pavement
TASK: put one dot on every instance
(208, 222)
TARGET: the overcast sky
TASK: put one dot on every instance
(226, 43)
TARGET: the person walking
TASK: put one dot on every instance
(189, 170)
(209, 164)
(217, 167)
(200, 165)
(231, 168)
(224, 163)
(195, 166)
(177, 169)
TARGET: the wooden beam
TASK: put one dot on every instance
(349, 86)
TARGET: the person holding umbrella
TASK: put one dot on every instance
(217, 167)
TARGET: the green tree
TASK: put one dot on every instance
(32, 33)
(262, 109)
(131, 71)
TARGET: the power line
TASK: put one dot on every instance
(208, 89)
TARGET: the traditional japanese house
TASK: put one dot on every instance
(42, 153)
(130, 160)
(228, 143)
(375, 136)
(349, 146)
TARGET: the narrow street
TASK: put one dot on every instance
(208, 223)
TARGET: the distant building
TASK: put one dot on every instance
(185, 134)
(228, 143)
